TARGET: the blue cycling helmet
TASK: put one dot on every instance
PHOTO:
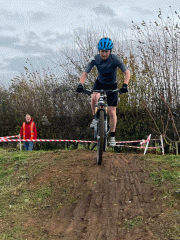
(105, 44)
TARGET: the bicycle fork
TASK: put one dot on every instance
(106, 132)
(106, 129)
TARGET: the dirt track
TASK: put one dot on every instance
(113, 201)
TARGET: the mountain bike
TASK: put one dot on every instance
(101, 130)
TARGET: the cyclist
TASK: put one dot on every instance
(106, 64)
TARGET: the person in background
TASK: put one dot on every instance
(28, 131)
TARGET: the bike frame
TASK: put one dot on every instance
(101, 130)
(101, 106)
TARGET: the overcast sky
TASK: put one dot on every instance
(36, 29)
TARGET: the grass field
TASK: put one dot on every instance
(37, 184)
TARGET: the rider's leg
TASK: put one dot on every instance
(112, 118)
(94, 100)
(113, 122)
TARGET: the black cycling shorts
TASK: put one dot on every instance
(112, 98)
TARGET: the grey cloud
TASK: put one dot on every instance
(31, 39)
(16, 67)
(60, 38)
(103, 10)
(16, 64)
(119, 23)
(39, 16)
(11, 16)
(33, 43)
(27, 48)
(8, 41)
(142, 11)
(32, 35)
(36, 48)
(81, 3)
(54, 37)
(48, 33)
(7, 28)
(39, 57)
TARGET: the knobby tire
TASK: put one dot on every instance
(100, 145)
(105, 144)
(105, 135)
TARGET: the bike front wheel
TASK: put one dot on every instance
(100, 137)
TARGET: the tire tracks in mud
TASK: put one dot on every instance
(119, 199)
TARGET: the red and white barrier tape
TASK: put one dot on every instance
(4, 139)
(44, 140)
(142, 142)
(9, 137)
(129, 141)
(138, 147)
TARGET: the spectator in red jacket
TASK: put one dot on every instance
(28, 131)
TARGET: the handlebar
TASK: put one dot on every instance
(89, 92)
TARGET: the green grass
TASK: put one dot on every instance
(11, 235)
(164, 175)
(19, 200)
(133, 222)
(164, 168)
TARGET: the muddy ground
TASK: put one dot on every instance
(114, 201)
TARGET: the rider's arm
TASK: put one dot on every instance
(127, 76)
(83, 78)
(123, 68)
(87, 70)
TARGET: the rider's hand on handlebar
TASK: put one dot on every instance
(124, 88)
(80, 88)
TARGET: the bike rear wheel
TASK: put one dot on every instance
(100, 138)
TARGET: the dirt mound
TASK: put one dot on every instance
(113, 201)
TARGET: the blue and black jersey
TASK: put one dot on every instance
(107, 69)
